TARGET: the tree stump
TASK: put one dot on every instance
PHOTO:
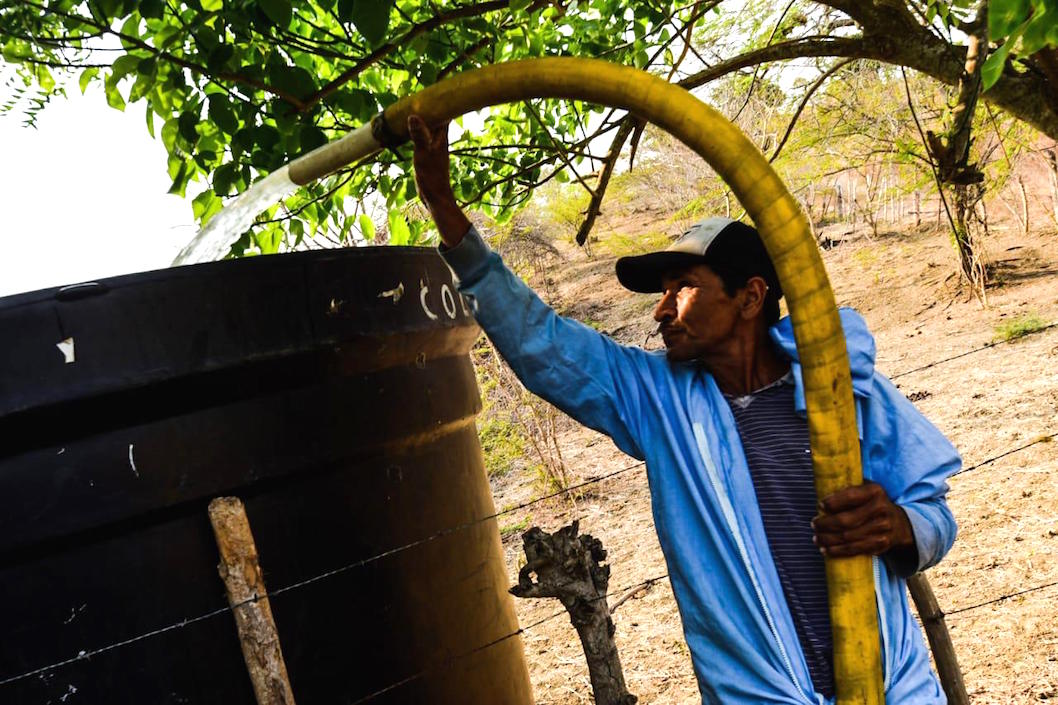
(568, 566)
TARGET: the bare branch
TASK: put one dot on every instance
(852, 47)
(804, 101)
(625, 131)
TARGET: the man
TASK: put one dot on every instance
(719, 419)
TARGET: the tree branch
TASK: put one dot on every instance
(628, 125)
(851, 47)
(900, 41)
(459, 13)
(804, 101)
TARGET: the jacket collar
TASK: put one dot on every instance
(859, 343)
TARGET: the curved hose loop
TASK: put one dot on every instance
(787, 236)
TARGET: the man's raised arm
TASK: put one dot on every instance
(432, 180)
(579, 370)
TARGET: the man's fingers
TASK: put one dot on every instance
(419, 132)
(440, 135)
(851, 497)
(848, 519)
(867, 547)
(880, 526)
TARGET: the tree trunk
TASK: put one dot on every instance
(1024, 207)
(1051, 157)
(951, 154)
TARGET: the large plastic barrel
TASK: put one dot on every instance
(332, 392)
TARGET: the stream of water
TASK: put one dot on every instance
(213, 241)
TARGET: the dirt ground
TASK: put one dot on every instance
(988, 402)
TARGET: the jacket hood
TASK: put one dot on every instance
(858, 341)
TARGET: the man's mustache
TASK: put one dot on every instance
(667, 329)
(663, 330)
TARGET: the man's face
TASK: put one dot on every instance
(697, 316)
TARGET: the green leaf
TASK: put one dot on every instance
(371, 19)
(224, 177)
(212, 5)
(188, 122)
(152, 9)
(297, 229)
(114, 97)
(206, 205)
(265, 137)
(206, 38)
(86, 77)
(219, 56)
(398, 229)
(1004, 16)
(222, 114)
(356, 103)
(108, 8)
(993, 66)
(150, 121)
(519, 5)
(180, 179)
(278, 11)
(169, 132)
(125, 65)
(367, 227)
(310, 137)
(1036, 33)
(293, 80)
(143, 85)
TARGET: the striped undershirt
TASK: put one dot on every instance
(775, 440)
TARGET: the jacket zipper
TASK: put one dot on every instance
(732, 523)
(882, 621)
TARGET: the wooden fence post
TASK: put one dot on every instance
(932, 617)
(248, 598)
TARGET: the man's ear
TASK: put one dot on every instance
(753, 294)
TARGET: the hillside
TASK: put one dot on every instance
(989, 402)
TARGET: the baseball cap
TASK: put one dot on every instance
(732, 249)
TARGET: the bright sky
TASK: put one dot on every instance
(83, 196)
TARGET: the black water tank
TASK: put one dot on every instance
(333, 393)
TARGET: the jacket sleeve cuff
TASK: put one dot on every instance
(926, 547)
(469, 259)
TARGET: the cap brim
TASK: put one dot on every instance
(642, 273)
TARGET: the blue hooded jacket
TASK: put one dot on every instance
(738, 628)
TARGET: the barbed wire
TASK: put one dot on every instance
(90, 653)
(986, 346)
(1001, 598)
(1047, 438)
(631, 589)
(85, 654)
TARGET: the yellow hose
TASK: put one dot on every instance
(788, 238)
